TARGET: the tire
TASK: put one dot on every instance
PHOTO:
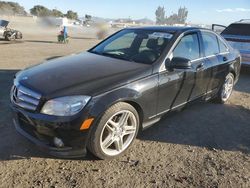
(225, 93)
(8, 37)
(106, 139)
(18, 35)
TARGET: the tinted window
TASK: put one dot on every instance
(135, 45)
(122, 42)
(223, 47)
(237, 29)
(144, 45)
(188, 47)
(210, 43)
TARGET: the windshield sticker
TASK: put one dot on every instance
(161, 35)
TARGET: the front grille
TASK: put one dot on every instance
(25, 98)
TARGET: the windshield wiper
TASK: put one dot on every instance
(112, 55)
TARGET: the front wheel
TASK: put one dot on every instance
(226, 90)
(8, 37)
(115, 132)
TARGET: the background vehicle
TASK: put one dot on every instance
(7, 33)
(238, 36)
(100, 99)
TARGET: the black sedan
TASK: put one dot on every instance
(99, 100)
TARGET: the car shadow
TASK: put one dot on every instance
(213, 126)
(42, 41)
(83, 38)
(4, 42)
(209, 125)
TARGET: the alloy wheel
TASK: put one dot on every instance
(227, 88)
(118, 133)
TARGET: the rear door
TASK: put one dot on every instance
(224, 59)
(216, 58)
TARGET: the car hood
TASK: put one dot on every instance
(4, 23)
(84, 73)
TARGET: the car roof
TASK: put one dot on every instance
(171, 29)
(243, 21)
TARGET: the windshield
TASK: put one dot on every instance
(237, 29)
(136, 45)
(3, 23)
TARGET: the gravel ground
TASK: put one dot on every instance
(204, 145)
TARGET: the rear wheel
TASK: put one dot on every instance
(226, 90)
(115, 131)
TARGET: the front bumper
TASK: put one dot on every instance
(41, 132)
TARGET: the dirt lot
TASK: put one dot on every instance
(205, 145)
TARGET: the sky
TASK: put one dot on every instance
(200, 11)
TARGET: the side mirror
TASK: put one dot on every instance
(180, 63)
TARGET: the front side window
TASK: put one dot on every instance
(210, 44)
(135, 45)
(188, 47)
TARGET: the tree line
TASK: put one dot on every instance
(42, 11)
(11, 8)
(175, 18)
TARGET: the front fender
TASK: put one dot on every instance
(103, 102)
(143, 93)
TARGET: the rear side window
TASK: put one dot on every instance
(210, 44)
(223, 47)
(237, 29)
(188, 47)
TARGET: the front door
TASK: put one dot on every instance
(177, 86)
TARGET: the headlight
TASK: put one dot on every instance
(65, 106)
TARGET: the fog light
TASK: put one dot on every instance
(58, 142)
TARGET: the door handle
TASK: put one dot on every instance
(200, 67)
(225, 59)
